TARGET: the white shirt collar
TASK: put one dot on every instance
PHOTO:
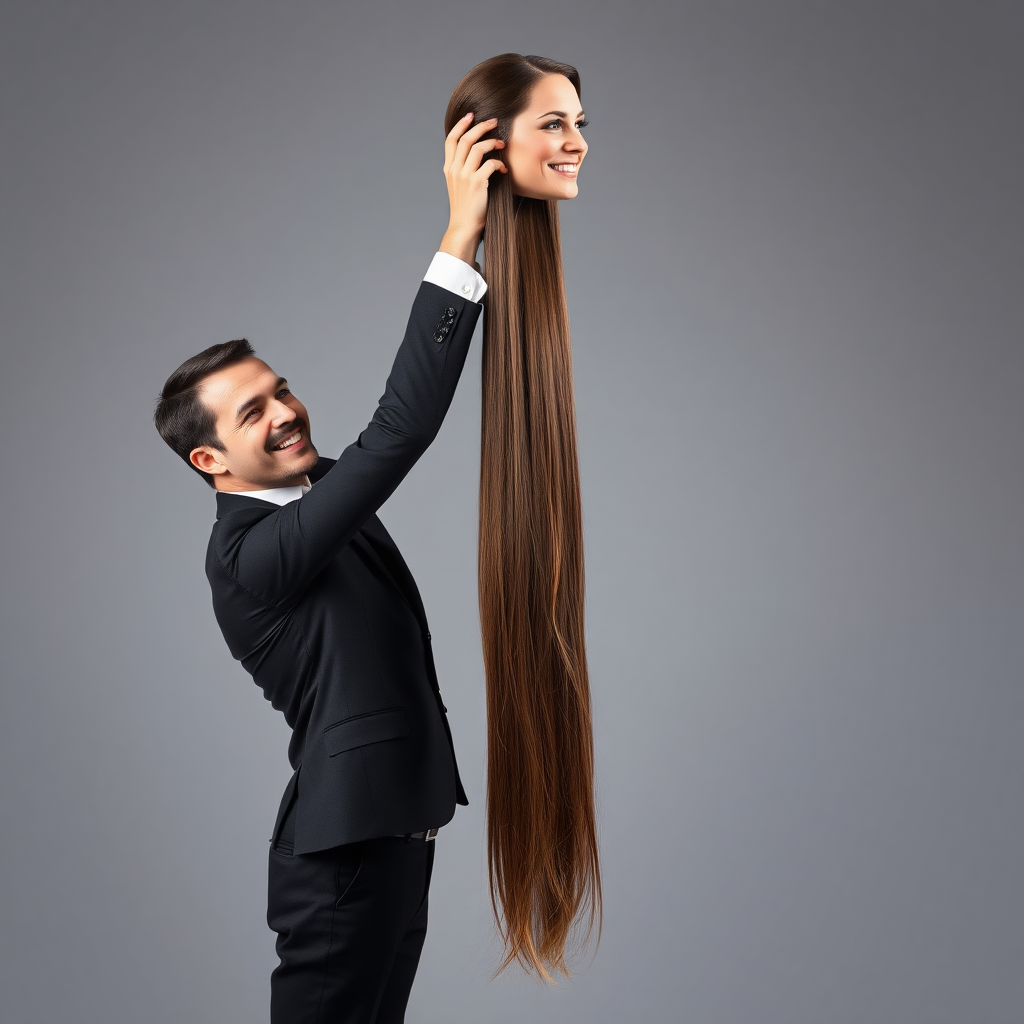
(277, 495)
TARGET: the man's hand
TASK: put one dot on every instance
(467, 185)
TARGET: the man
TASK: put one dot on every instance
(315, 600)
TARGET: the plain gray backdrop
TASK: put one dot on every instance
(794, 274)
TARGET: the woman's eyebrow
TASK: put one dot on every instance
(558, 113)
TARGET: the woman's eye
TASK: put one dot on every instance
(582, 124)
(553, 124)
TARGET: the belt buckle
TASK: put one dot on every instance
(429, 837)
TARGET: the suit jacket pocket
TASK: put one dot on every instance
(374, 727)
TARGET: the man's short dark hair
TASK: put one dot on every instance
(182, 419)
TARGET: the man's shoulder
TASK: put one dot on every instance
(237, 514)
(321, 467)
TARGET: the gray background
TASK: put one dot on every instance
(794, 275)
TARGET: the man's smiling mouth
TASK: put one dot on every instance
(289, 441)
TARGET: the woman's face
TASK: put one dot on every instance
(545, 149)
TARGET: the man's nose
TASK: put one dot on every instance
(281, 413)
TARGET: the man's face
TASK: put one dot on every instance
(263, 430)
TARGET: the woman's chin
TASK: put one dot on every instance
(567, 191)
(566, 188)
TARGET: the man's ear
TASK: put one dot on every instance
(207, 459)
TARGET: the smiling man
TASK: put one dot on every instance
(265, 441)
(315, 600)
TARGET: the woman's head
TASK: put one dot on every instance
(537, 104)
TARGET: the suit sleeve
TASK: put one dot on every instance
(276, 558)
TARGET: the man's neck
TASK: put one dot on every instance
(236, 486)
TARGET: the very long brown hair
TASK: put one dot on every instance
(541, 828)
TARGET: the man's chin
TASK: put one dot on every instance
(300, 465)
(290, 473)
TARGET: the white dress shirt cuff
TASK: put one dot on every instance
(447, 271)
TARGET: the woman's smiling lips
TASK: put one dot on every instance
(567, 170)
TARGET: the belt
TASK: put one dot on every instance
(425, 837)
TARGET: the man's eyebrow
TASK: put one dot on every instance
(256, 399)
(559, 113)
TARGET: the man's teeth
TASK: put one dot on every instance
(289, 441)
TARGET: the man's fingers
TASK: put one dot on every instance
(467, 172)
(452, 137)
(463, 137)
(488, 167)
(477, 151)
(469, 141)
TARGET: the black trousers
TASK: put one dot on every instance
(350, 925)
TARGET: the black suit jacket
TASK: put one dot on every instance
(316, 601)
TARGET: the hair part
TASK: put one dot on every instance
(541, 822)
(183, 420)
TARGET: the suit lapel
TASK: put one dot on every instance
(382, 549)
